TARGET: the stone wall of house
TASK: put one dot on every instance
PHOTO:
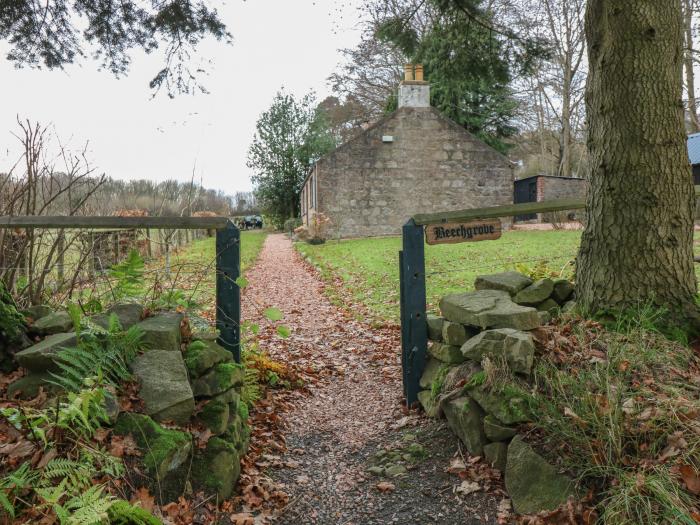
(414, 161)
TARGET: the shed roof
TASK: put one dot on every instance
(694, 148)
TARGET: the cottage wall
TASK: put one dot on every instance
(415, 161)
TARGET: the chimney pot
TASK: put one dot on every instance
(419, 72)
(408, 72)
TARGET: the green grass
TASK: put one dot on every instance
(193, 267)
(369, 270)
(203, 251)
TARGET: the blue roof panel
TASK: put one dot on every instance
(694, 148)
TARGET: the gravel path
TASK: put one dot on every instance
(353, 419)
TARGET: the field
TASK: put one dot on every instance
(193, 267)
(368, 268)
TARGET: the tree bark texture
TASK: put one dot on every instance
(688, 65)
(637, 245)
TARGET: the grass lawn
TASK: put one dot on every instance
(369, 268)
(193, 267)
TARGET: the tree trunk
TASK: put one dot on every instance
(637, 245)
(688, 66)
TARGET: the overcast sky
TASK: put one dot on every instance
(290, 43)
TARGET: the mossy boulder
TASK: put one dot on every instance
(164, 450)
(430, 405)
(430, 373)
(455, 334)
(510, 282)
(163, 331)
(12, 331)
(488, 309)
(216, 468)
(165, 388)
(458, 376)
(446, 353)
(27, 387)
(41, 356)
(532, 483)
(535, 293)
(465, 418)
(497, 431)
(496, 455)
(435, 324)
(219, 379)
(516, 347)
(37, 311)
(563, 290)
(54, 323)
(550, 306)
(508, 405)
(215, 416)
(202, 356)
(128, 314)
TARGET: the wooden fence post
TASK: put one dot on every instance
(228, 294)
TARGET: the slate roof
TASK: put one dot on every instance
(694, 148)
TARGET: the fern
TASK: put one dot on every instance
(106, 352)
(76, 475)
(129, 276)
(123, 513)
(84, 412)
(14, 483)
(250, 392)
(89, 508)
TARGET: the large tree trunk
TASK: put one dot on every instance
(689, 66)
(637, 245)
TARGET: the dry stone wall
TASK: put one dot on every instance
(188, 388)
(482, 354)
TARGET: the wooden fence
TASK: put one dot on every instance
(228, 257)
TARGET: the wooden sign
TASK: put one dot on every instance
(452, 233)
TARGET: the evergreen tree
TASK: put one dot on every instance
(289, 137)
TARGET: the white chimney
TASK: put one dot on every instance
(414, 92)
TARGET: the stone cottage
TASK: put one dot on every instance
(414, 160)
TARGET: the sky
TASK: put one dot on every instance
(130, 135)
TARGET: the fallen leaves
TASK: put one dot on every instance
(385, 486)
(468, 487)
(690, 477)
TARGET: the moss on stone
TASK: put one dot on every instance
(201, 356)
(227, 375)
(215, 416)
(243, 411)
(163, 449)
(216, 468)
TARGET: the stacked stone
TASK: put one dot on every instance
(216, 383)
(172, 384)
(55, 328)
(493, 323)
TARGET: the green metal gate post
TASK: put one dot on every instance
(414, 326)
(228, 294)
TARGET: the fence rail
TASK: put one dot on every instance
(228, 257)
(179, 223)
(509, 210)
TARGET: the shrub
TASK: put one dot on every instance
(292, 224)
